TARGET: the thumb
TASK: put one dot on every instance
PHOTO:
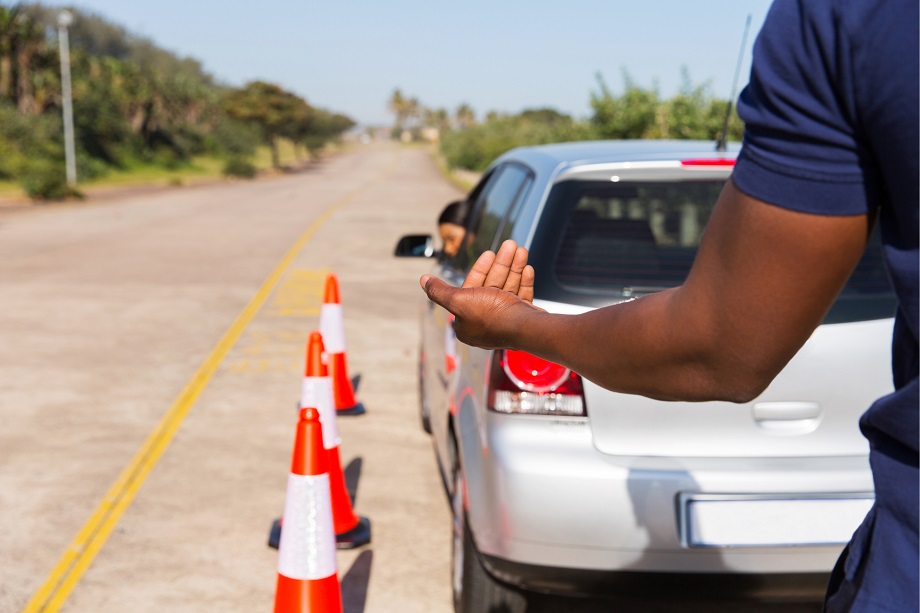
(438, 291)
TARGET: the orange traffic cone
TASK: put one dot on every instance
(351, 530)
(307, 578)
(332, 327)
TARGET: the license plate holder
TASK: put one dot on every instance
(713, 520)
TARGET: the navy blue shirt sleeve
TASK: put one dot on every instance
(802, 144)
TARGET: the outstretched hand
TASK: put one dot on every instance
(496, 294)
(508, 270)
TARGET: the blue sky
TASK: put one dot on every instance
(349, 56)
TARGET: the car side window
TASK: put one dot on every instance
(508, 225)
(492, 208)
(475, 198)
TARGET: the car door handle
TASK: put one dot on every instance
(787, 418)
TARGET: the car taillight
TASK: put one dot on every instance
(708, 162)
(523, 383)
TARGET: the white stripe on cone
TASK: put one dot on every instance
(307, 548)
(332, 327)
(317, 393)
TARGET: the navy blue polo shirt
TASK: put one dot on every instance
(831, 127)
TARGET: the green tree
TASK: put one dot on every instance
(437, 119)
(475, 147)
(25, 60)
(7, 24)
(276, 112)
(133, 101)
(632, 115)
(464, 117)
(326, 127)
(694, 113)
(398, 104)
(408, 112)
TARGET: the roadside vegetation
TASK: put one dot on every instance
(139, 111)
(468, 143)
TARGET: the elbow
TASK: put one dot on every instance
(745, 393)
(737, 381)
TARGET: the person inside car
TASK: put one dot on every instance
(452, 226)
(830, 148)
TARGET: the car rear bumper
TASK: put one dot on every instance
(541, 496)
(641, 585)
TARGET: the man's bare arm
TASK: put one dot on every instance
(763, 279)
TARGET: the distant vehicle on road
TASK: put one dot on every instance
(558, 485)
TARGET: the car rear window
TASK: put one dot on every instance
(602, 242)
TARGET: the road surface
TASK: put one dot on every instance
(110, 310)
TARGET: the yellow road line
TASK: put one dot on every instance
(81, 552)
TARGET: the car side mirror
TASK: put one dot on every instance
(415, 246)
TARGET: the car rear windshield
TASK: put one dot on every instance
(602, 241)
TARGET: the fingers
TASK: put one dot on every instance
(502, 270)
(525, 291)
(501, 266)
(516, 271)
(477, 275)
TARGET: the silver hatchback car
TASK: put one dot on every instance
(558, 485)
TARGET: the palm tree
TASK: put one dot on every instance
(28, 40)
(437, 118)
(465, 117)
(7, 24)
(398, 105)
(413, 112)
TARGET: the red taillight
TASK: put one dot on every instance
(523, 383)
(709, 162)
(531, 373)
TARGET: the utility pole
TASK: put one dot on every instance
(65, 18)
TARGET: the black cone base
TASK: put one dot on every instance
(356, 537)
(358, 409)
(274, 536)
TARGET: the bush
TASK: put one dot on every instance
(10, 159)
(166, 157)
(476, 147)
(239, 167)
(236, 138)
(89, 167)
(45, 180)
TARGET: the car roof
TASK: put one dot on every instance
(548, 157)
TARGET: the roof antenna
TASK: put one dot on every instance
(722, 143)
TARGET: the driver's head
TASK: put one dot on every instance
(452, 226)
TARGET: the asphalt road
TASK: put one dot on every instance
(110, 309)
(150, 366)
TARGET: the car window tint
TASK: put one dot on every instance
(490, 212)
(508, 225)
(603, 242)
(476, 193)
(474, 197)
(640, 235)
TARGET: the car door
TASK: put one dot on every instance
(493, 199)
(506, 187)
